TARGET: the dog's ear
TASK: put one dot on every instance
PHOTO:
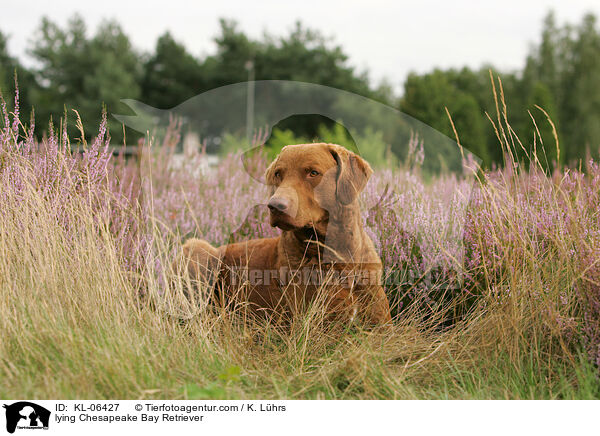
(269, 172)
(269, 176)
(353, 173)
(254, 162)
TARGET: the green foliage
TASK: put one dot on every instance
(171, 74)
(231, 143)
(279, 139)
(369, 144)
(78, 71)
(216, 390)
(561, 75)
(427, 96)
(578, 55)
(82, 73)
(304, 55)
(7, 65)
(9, 69)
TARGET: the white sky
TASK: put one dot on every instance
(388, 38)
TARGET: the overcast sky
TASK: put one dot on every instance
(388, 38)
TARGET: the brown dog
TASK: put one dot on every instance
(322, 255)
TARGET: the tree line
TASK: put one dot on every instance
(75, 70)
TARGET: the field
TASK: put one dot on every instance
(87, 240)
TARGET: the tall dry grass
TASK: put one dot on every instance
(83, 317)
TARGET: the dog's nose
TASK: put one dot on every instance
(278, 204)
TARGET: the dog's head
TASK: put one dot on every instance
(308, 182)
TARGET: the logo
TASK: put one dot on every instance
(26, 415)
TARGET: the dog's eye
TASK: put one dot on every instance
(313, 173)
(277, 174)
